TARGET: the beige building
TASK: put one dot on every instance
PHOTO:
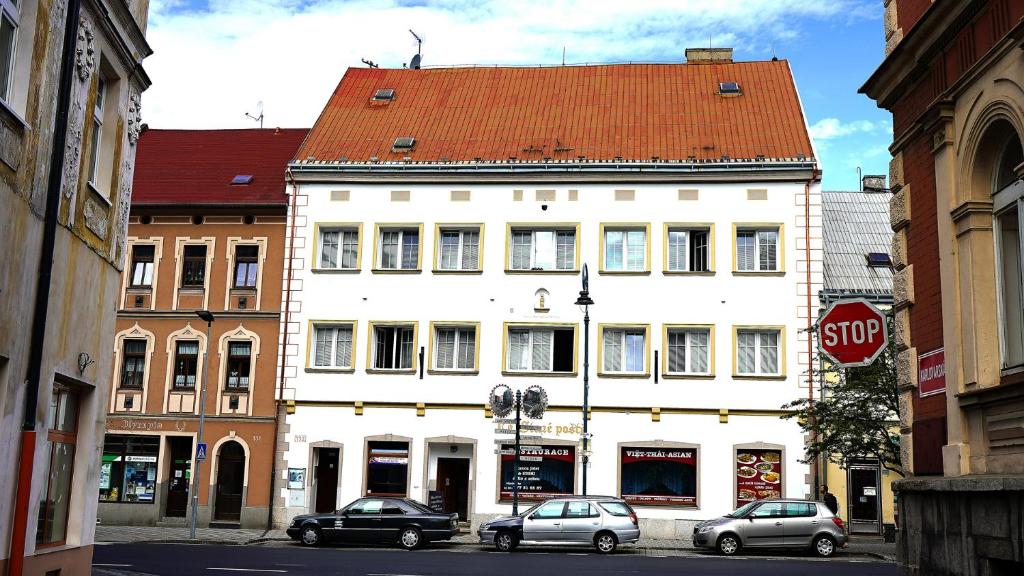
(70, 80)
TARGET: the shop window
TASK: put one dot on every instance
(133, 363)
(61, 436)
(387, 468)
(658, 476)
(246, 267)
(142, 266)
(128, 470)
(186, 361)
(550, 472)
(193, 270)
(239, 360)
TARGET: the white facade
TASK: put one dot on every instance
(444, 414)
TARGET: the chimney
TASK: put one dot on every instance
(875, 183)
(708, 55)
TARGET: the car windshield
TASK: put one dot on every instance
(742, 510)
(529, 510)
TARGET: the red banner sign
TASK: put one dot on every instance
(931, 373)
(758, 475)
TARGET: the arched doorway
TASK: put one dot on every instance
(230, 482)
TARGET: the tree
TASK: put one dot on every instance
(858, 415)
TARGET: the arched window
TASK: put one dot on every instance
(1008, 210)
(1011, 158)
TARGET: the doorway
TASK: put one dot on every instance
(180, 449)
(453, 483)
(863, 496)
(230, 482)
(325, 479)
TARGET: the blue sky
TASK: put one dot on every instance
(216, 59)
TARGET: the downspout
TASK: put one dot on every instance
(290, 245)
(815, 174)
(42, 297)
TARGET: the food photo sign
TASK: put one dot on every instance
(758, 475)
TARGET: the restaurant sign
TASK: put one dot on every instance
(758, 475)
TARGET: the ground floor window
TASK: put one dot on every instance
(544, 472)
(387, 468)
(658, 476)
(758, 475)
(128, 469)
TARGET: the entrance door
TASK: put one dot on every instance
(863, 489)
(453, 483)
(325, 476)
(181, 476)
(230, 478)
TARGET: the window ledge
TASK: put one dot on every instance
(625, 272)
(10, 112)
(102, 195)
(440, 271)
(389, 371)
(572, 374)
(335, 270)
(683, 376)
(758, 273)
(396, 270)
(453, 372)
(759, 376)
(237, 391)
(574, 271)
(688, 273)
(630, 375)
(192, 289)
(326, 370)
(139, 289)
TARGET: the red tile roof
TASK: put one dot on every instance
(197, 166)
(636, 111)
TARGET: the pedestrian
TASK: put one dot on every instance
(830, 500)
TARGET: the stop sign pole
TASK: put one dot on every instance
(853, 332)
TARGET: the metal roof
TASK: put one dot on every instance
(855, 224)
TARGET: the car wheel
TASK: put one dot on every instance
(410, 538)
(605, 542)
(728, 544)
(824, 546)
(310, 536)
(506, 541)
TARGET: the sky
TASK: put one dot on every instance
(215, 61)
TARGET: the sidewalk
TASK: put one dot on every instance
(870, 546)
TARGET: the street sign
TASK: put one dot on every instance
(526, 447)
(530, 437)
(201, 451)
(505, 431)
(531, 458)
(511, 452)
(504, 420)
(853, 333)
(533, 427)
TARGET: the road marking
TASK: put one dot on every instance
(113, 565)
(249, 570)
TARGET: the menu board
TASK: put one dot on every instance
(659, 476)
(544, 473)
(758, 475)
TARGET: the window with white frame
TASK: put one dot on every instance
(624, 350)
(758, 351)
(625, 249)
(142, 266)
(688, 250)
(8, 46)
(398, 249)
(1008, 207)
(332, 346)
(454, 348)
(458, 249)
(689, 351)
(757, 250)
(393, 347)
(540, 349)
(97, 128)
(543, 249)
(339, 248)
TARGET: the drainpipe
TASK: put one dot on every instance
(815, 175)
(290, 246)
(26, 460)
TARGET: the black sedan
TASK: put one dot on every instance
(402, 520)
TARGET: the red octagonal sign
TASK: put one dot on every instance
(853, 332)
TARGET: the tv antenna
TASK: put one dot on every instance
(415, 63)
(370, 63)
(259, 113)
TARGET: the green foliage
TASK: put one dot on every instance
(858, 416)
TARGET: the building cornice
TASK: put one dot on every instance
(191, 315)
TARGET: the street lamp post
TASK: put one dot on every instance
(586, 301)
(207, 317)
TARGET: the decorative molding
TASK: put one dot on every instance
(96, 218)
(73, 153)
(134, 127)
(124, 201)
(85, 51)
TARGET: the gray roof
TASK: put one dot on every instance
(854, 224)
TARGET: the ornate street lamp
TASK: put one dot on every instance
(585, 301)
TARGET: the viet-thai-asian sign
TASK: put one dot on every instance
(659, 476)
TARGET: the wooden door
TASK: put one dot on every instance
(453, 483)
(230, 483)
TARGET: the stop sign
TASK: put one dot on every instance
(853, 332)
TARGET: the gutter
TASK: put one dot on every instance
(504, 167)
(37, 342)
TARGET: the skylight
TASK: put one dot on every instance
(403, 143)
(726, 88)
(879, 260)
(241, 179)
(384, 94)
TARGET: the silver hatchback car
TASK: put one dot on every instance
(774, 524)
(603, 522)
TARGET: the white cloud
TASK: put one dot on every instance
(213, 63)
(832, 128)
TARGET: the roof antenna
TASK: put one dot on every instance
(259, 113)
(860, 180)
(415, 63)
(370, 63)
(563, 55)
(709, 40)
(774, 57)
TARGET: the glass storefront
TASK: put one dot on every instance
(128, 471)
(387, 468)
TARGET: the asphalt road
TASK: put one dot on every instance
(186, 559)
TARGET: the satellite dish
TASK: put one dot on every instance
(502, 400)
(535, 402)
(415, 63)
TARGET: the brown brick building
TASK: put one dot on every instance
(206, 232)
(952, 80)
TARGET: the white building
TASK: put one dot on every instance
(441, 221)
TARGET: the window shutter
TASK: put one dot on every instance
(541, 350)
(343, 347)
(519, 342)
(470, 250)
(323, 347)
(329, 249)
(769, 352)
(634, 351)
(612, 350)
(467, 349)
(350, 249)
(677, 250)
(613, 249)
(445, 348)
(566, 250)
(521, 250)
(677, 351)
(768, 240)
(745, 352)
(745, 251)
(636, 245)
(407, 349)
(699, 351)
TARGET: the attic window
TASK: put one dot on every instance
(241, 179)
(729, 88)
(384, 94)
(879, 260)
(403, 143)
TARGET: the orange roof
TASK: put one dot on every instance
(632, 111)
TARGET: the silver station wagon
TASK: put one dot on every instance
(774, 524)
(603, 522)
